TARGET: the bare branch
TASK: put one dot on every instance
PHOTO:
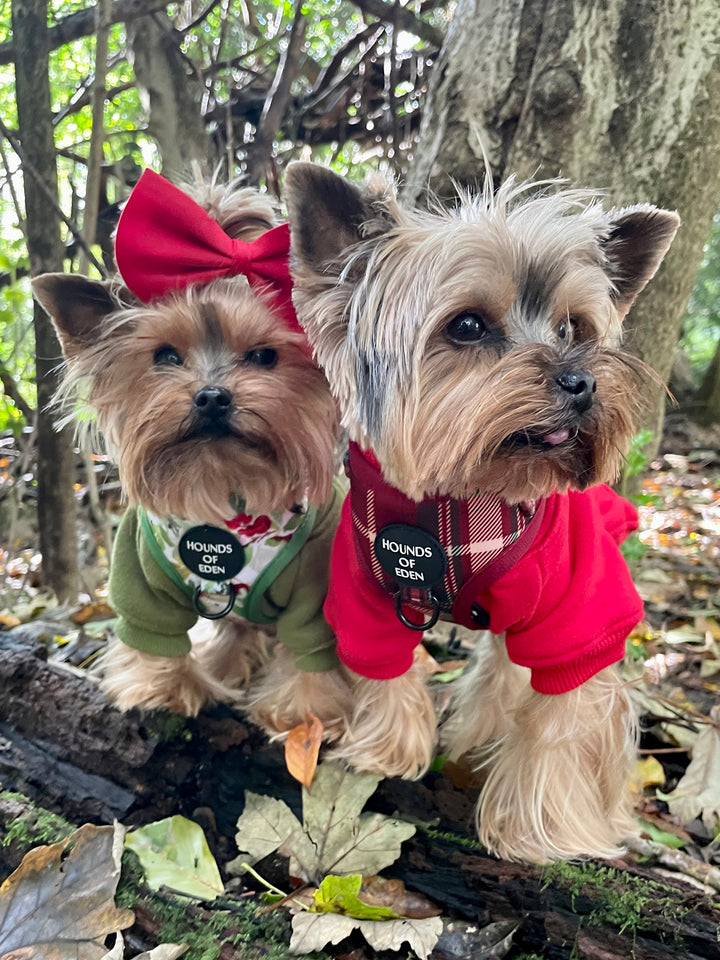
(82, 24)
(406, 20)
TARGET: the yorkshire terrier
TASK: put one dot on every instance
(224, 429)
(475, 354)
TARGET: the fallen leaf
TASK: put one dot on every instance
(164, 951)
(302, 748)
(393, 893)
(59, 902)
(9, 620)
(334, 837)
(698, 792)
(174, 853)
(648, 772)
(312, 931)
(263, 826)
(92, 611)
(341, 895)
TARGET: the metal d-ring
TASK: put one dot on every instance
(434, 602)
(231, 591)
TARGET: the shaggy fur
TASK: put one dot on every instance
(138, 368)
(479, 349)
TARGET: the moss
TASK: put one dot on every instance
(619, 899)
(446, 835)
(33, 826)
(254, 937)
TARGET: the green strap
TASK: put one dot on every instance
(159, 557)
(281, 560)
(251, 605)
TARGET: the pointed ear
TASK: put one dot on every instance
(328, 214)
(76, 306)
(637, 240)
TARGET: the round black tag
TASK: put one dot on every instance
(410, 555)
(211, 552)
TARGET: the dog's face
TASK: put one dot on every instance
(203, 395)
(478, 348)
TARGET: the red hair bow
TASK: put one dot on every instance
(165, 241)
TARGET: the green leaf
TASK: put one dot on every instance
(174, 853)
(660, 836)
(340, 895)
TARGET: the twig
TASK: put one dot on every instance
(676, 860)
(30, 168)
(406, 20)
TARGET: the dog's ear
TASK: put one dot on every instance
(637, 240)
(328, 214)
(76, 306)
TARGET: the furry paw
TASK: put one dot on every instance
(392, 728)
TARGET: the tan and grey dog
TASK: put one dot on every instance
(476, 357)
(224, 429)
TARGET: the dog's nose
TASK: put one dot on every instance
(581, 385)
(212, 402)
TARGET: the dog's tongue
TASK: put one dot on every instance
(557, 436)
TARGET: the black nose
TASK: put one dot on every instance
(212, 402)
(581, 385)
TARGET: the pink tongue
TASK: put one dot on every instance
(558, 436)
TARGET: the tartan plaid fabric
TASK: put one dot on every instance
(475, 533)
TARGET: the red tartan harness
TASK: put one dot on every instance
(482, 537)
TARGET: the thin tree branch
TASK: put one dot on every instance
(406, 20)
(10, 389)
(28, 168)
(82, 24)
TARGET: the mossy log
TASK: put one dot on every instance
(201, 768)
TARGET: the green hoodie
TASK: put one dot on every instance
(153, 595)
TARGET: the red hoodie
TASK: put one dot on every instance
(566, 605)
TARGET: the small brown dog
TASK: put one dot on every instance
(225, 434)
(475, 356)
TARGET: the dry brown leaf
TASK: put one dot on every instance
(9, 620)
(381, 892)
(92, 611)
(302, 748)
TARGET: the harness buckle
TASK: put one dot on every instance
(197, 601)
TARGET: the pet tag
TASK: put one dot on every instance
(415, 559)
(213, 554)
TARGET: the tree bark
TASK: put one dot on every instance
(705, 405)
(55, 456)
(169, 95)
(623, 96)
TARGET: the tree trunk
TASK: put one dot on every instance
(705, 405)
(55, 458)
(169, 95)
(622, 96)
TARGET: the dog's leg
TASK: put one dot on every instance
(558, 782)
(484, 699)
(230, 652)
(181, 684)
(392, 728)
(284, 695)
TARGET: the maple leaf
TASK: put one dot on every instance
(334, 837)
(313, 931)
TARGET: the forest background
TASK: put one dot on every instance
(619, 95)
(615, 96)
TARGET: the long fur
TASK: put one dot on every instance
(546, 276)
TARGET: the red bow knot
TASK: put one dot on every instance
(166, 241)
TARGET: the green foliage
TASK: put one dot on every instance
(17, 346)
(701, 326)
(340, 895)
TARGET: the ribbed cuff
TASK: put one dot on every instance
(562, 677)
(377, 671)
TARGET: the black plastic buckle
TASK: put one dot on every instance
(434, 603)
(197, 602)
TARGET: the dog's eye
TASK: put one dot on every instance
(167, 356)
(263, 357)
(466, 328)
(567, 328)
